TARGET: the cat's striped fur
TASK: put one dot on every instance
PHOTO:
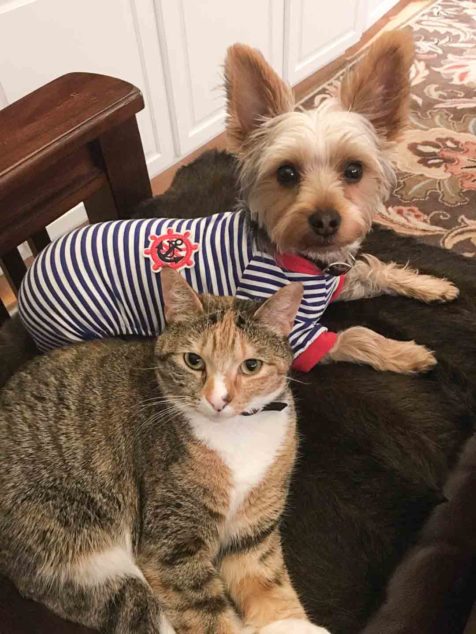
(125, 506)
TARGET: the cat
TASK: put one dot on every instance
(142, 483)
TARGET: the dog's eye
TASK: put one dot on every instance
(287, 175)
(194, 361)
(353, 171)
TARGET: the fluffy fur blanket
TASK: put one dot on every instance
(376, 450)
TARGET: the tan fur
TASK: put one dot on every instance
(319, 143)
(379, 87)
(361, 126)
(370, 277)
(361, 345)
(254, 90)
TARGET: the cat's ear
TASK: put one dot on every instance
(279, 311)
(180, 301)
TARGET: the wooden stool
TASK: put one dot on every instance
(74, 140)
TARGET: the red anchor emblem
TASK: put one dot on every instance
(171, 249)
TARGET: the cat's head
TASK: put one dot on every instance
(222, 356)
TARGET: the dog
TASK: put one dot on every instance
(313, 181)
(310, 181)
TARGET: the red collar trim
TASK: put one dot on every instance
(297, 264)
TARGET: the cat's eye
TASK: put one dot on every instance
(353, 171)
(287, 175)
(194, 361)
(251, 366)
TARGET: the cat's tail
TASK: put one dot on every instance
(440, 562)
(16, 348)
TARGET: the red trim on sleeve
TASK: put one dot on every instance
(339, 287)
(315, 352)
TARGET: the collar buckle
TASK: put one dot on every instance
(339, 268)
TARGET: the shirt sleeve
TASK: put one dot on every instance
(310, 342)
(339, 287)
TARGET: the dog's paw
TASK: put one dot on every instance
(293, 626)
(434, 289)
(409, 357)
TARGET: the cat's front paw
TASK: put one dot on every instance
(293, 626)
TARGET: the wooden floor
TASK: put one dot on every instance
(162, 182)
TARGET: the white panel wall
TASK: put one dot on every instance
(42, 39)
(195, 37)
(173, 50)
(318, 31)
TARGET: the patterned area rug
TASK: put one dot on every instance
(435, 197)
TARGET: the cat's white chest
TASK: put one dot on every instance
(248, 445)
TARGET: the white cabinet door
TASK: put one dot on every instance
(195, 35)
(42, 39)
(318, 31)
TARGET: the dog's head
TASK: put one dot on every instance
(314, 180)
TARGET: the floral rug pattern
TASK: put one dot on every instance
(435, 196)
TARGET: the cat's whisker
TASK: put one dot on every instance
(155, 418)
(293, 380)
(153, 404)
(163, 417)
(164, 399)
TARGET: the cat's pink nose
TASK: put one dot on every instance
(218, 401)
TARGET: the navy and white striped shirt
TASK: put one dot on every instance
(102, 280)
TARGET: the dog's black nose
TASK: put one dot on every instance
(325, 222)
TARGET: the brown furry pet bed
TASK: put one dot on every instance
(376, 451)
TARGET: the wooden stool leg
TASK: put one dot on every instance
(3, 313)
(39, 241)
(14, 269)
(124, 162)
(101, 206)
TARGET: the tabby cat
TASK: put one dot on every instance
(142, 483)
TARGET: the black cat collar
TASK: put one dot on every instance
(274, 406)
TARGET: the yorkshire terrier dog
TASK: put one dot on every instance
(313, 181)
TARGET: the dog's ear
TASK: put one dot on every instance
(253, 91)
(379, 86)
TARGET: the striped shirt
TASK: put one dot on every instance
(103, 280)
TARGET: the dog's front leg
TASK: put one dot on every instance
(370, 277)
(362, 345)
